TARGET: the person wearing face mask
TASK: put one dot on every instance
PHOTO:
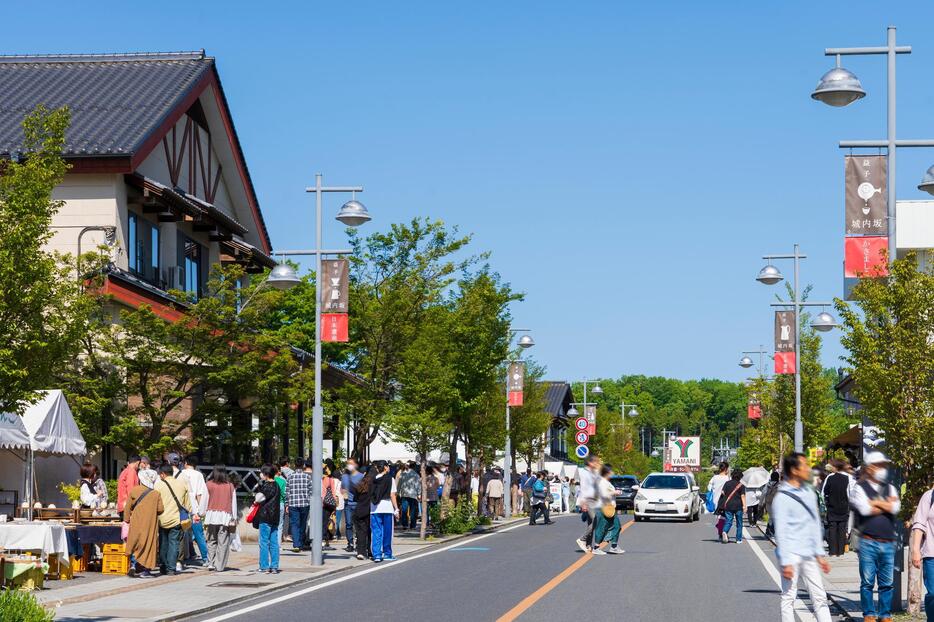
(349, 480)
(876, 503)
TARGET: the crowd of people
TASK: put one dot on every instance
(817, 513)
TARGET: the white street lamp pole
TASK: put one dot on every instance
(524, 343)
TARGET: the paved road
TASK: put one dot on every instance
(670, 571)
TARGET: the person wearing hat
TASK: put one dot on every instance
(876, 503)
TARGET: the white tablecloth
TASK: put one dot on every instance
(36, 536)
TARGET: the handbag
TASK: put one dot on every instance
(328, 501)
(235, 544)
(609, 511)
(184, 516)
(251, 515)
(708, 503)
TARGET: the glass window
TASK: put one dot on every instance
(671, 482)
(191, 256)
(132, 240)
(154, 251)
(143, 248)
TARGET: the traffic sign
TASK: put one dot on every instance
(581, 423)
(582, 451)
(582, 437)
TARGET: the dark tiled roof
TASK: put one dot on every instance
(557, 396)
(116, 101)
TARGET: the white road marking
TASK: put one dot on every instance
(354, 575)
(801, 610)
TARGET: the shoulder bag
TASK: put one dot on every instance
(721, 508)
(184, 515)
(328, 502)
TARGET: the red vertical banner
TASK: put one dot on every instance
(784, 362)
(754, 410)
(515, 398)
(515, 383)
(334, 327)
(863, 257)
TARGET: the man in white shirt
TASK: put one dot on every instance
(198, 496)
(715, 487)
(589, 499)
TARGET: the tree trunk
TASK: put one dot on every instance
(424, 499)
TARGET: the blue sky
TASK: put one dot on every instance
(627, 164)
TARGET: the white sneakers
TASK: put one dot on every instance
(582, 545)
(598, 552)
(724, 538)
(615, 550)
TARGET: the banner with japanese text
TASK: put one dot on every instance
(335, 328)
(784, 362)
(785, 331)
(865, 192)
(516, 383)
(590, 411)
(335, 285)
(863, 256)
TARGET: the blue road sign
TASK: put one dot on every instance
(582, 451)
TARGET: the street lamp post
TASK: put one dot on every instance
(352, 214)
(746, 362)
(525, 342)
(573, 412)
(840, 87)
(770, 275)
(632, 413)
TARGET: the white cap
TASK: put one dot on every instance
(875, 457)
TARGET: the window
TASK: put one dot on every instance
(670, 482)
(190, 261)
(143, 248)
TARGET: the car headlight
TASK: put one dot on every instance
(640, 497)
(684, 497)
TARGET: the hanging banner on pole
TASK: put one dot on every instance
(863, 257)
(334, 327)
(590, 411)
(335, 285)
(784, 362)
(516, 383)
(785, 331)
(865, 192)
(754, 410)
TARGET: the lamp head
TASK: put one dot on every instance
(823, 322)
(597, 390)
(633, 412)
(526, 342)
(573, 412)
(353, 213)
(927, 183)
(769, 275)
(283, 276)
(745, 362)
(838, 87)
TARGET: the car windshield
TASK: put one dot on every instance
(677, 482)
(621, 482)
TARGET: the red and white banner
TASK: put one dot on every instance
(335, 327)
(754, 410)
(863, 257)
(784, 362)
(515, 398)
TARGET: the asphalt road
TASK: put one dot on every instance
(670, 571)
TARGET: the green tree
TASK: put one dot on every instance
(39, 323)
(887, 333)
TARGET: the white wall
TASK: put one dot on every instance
(90, 200)
(914, 226)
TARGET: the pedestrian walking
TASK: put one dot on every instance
(362, 489)
(732, 506)
(198, 495)
(715, 488)
(349, 479)
(837, 500)
(588, 498)
(753, 496)
(607, 527)
(799, 539)
(266, 519)
(220, 518)
(410, 488)
(175, 519)
(766, 504)
(298, 504)
(383, 507)
(566, 495)
(494, 496)
(541, 499)
(141, 511)
(922, 547)
(876, 502)
(572, 495)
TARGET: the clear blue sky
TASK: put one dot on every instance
(627, 164)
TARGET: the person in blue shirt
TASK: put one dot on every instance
(349, 481)
(524, 498)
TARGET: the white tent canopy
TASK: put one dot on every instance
(13, 434)
(51, 426)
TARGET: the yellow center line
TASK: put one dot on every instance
(538, 594)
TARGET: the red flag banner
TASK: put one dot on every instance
(334, 327)
(784, 362)
(515, 398)
(862, 256)
(754, 410)
(591, 429)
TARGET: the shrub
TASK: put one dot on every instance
(459, 519)
(18, 606)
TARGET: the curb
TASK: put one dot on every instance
(284, 586)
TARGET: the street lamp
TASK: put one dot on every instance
(825, 322)
(838, 87)
(525, 342)
(632, 412)
(746, 362)
(352, 213)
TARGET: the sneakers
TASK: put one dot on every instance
(145, 575)
(389, 559)
(725, 539)
(360, 556)
(178, 566)
(296, 549)
(599, 552)
(274, 571)
(211, 568)
(615, 550)
(581, 544)
(349, 548)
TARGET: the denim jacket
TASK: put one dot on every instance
(799, 533)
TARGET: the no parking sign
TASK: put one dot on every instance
(582, 451)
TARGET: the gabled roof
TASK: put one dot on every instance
(116, 101)
(558, 397)
(121, 106)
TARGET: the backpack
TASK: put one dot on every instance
(328, 502)
(538, 490)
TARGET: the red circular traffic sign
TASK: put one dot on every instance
(582, 437)
(581, 423)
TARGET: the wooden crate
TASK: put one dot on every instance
(113, 548)
(79, 563)
(115, 563)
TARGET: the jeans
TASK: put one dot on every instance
(381, 535)
(734, 516)
(169, 541)
(268, 546)
(338, 521)
(409, 514)
(876, 564)
(298, 520)
(928, 567)
(349, 507)
(810, 572)
(197, 534)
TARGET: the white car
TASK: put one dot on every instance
(668, 495)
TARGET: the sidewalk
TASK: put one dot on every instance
(92, 596)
